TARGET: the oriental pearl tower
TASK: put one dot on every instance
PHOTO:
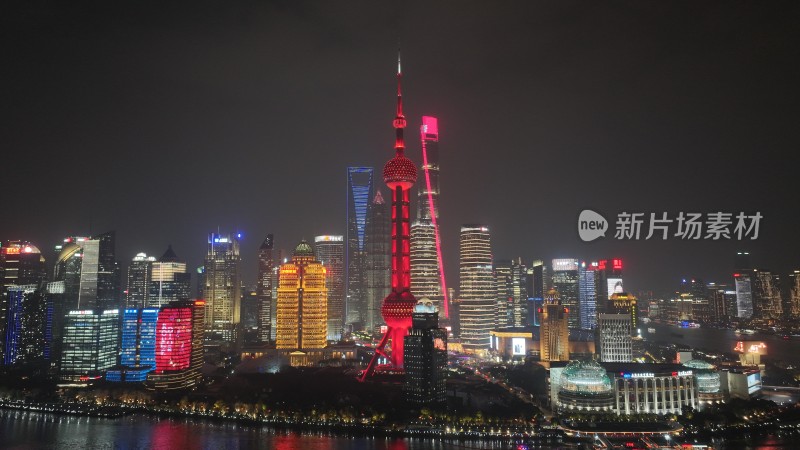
(399, 174)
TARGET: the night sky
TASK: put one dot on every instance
(164, 122)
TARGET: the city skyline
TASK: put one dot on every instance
(245, 116)
(608, 259)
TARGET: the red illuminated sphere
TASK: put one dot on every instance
(397, 309)
(399, 171)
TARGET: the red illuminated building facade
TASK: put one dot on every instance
(179, 346)
(399, 174)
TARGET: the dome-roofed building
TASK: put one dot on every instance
(585, 386)
(707, 379)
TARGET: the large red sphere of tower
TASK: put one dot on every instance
(397, 309)
(400, 171)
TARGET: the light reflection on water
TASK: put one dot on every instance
(33, 430)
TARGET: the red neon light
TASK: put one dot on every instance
(601, 265)
(429, 130)
(173, 339)
(736, 275)
(399, 174)
(426, 128)
(617, 263)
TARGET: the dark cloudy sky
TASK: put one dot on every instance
(164, 122)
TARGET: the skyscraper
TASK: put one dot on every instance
(302, 302)
(504, 288)
(476, 287)
(426, 357)
(587, 295)
(699, 306)
(519, 288)
(399, 174)
(90, 343)
(170, 280)
(565, 281)
(21, 263)
(138, 285)
(138, 344)
(767, 300)
(108, 272)
(794, 295)
(223, 289)
(179, 346)
(554, 331)
(264, 288)
(536, 287)
(330, 252)
(744, 294)
(379, 260)
(608, 280)
(22, 333)
(99, 273)
(427, 275)
(614, 336)
(359, 193)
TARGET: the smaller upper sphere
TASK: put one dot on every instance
(399, 171)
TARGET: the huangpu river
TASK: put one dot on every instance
(34, 430)
(722, 341)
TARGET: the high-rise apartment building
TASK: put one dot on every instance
(222, 289)
(554, 329)
(302, 315)
(565, 281)
(379, 260)
(477, 290)
(330, 252)
(264, 288)
(359, 194)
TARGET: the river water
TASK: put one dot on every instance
(33, 430)
(722, 341)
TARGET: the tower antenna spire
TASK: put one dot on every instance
(400, 119)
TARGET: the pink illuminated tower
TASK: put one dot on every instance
(399, 173)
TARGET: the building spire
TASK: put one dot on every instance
(400, 119)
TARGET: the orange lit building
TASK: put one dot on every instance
(554, 338)
(302, 307)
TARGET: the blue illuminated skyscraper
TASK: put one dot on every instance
(139, 337)
(359, 194)
(23, 333)
(587, 294)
